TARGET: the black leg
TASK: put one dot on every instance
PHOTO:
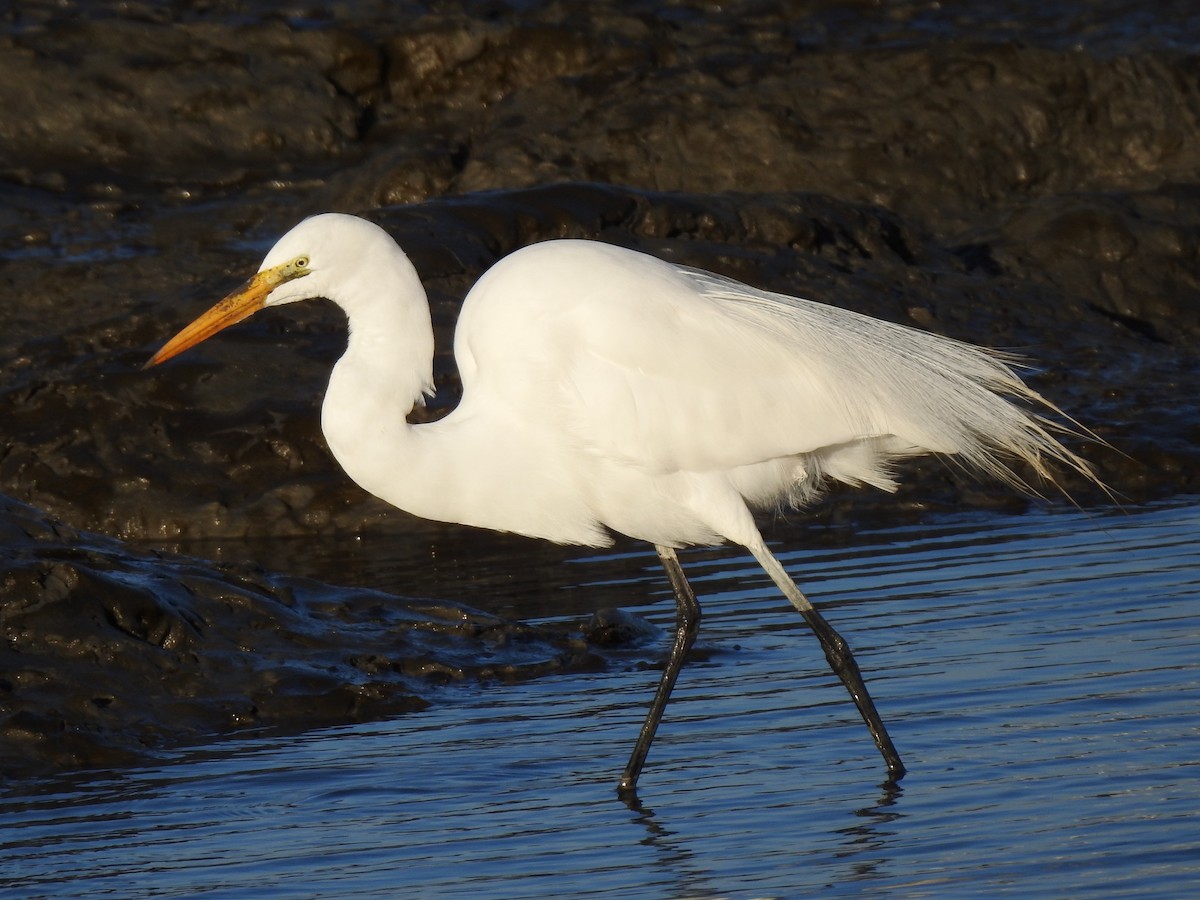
(687, 621)
(841, 660)
(840, 657)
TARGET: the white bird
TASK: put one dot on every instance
(604, 390)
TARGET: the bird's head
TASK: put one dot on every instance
(299, 267)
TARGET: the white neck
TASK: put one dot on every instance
(468, 467)
(387, 370)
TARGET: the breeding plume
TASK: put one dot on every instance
(604, 390)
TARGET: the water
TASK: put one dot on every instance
(1040, 675)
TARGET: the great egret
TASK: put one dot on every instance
(604, 390)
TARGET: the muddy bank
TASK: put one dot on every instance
(1022, 176)
(112, 655)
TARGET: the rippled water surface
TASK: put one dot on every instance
(1040, 674)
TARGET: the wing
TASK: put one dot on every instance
(670, 368)
(673, 378)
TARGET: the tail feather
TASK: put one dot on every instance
(931, 393)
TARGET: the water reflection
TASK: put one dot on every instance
(1040, 674)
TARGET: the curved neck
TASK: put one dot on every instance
(469, 467)
(391, 332)
(387, 369)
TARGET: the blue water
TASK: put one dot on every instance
(1040, 675)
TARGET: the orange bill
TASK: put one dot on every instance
(241, 304)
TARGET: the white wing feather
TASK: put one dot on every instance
(674, 369)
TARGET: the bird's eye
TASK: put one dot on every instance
(301, 262)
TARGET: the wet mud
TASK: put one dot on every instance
(1020, 175)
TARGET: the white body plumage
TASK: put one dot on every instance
(605, 390)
